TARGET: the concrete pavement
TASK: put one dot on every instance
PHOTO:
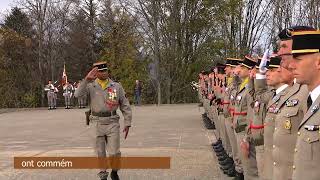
(168, 130)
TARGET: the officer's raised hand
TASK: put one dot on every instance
(92, 75)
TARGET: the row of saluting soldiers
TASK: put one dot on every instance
(265, 110)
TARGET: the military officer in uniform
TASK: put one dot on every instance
(49, 88)
(67, 93)
(306, 69)
(55, 97)
(240, 110)
(289, 112)
(106, 97)
(265, 104)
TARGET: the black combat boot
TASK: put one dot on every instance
(114, 175)
(103, 175)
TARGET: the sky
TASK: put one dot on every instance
(5, 6)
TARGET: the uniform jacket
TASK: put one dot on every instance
(106, 100)
(290, 111)
(307, 149)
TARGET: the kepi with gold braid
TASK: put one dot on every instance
(248, 62)
(233, 62)
(305, 42)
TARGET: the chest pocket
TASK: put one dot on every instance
(309, 146)
(289, 121)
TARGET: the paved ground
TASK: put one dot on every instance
(169, 130)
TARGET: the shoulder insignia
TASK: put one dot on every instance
(314, 109)
(291, 103)
(276, 98)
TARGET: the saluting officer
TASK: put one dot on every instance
(49, 88)
(306, 69)
(106, 96)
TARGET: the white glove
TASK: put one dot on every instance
(263, 63)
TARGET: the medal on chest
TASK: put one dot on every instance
(111, 100)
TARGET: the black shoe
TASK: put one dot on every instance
(222, 154)
(114, 175)
(103, 175)
(219, 149)
(217, 143)
(226, 167)
(239, 176)
(49, 108)
(204, 115)
(226, 161)
(222, 158)
(231, 172)
(216, 148)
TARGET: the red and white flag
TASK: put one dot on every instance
(64, 75)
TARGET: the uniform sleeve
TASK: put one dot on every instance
(125, 107)
(82, 90)
(262, 92)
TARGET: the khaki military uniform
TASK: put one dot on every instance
(104, 120)
(67, 93)
(290, 112)
(249, 162)
(232, 91)
(307, 148)
(225, 117)
(240, 123)
(49, 88)
(265, 106)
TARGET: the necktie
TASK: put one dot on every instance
(309, 102)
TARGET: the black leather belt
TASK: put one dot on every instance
(104, 114)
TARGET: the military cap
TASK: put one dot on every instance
(101, 66)
(305, 42)
(220, 67)
(274, 62)
(248, 62)
(286, 33)
(233, 62)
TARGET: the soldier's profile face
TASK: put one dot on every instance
(286, 75)
(306, 68)
(243, 72)
(285, 47)
(272, 77)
